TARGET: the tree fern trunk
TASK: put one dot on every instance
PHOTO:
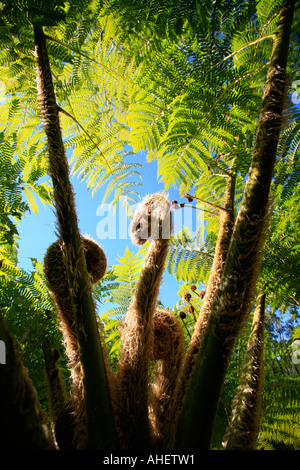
(22, 425)
(224, 237)
(136, 352)
(227, 218)
(234, 296)
(101, 430)
(246, 408)
(57, 394)
(137, 329)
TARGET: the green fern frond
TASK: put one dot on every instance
(280, 424)
(287, 171)
(187, 261)
(125, 276)
(280, 267)
(31, 285)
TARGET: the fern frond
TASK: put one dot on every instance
(186, 261)
(125, 276)
(31, 285)
(281, 414)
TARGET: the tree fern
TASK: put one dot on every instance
(280, 427)
(125, 276)
(30, 285)
(187, 261)
(73, 74)
(12, 206)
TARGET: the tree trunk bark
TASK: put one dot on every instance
(246, 407)
(137, 331)
(227, 218)
(101, 428)
(235, 293)
(23, 426)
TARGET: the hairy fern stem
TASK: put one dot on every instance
(235, 292)
(246, 407)
(137, 328)
(101, 431)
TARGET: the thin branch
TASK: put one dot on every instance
(208, 203)
(200, 209)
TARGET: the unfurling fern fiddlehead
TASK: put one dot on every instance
(57, 281)
(100, 428)
(152, 218)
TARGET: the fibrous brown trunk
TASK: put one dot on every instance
(137, 329)
(232, 300)
(246, 407)
(23, 424)
(100, 423)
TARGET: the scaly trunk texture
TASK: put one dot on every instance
(57, 394)
(233, 298)
(136, 353)
(227, 218)
(137, 329)
(100, 428)
(23, 424)
(246, 407)
(168, 350)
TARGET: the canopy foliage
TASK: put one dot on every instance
(181, 81)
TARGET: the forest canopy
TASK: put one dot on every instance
(209, 92)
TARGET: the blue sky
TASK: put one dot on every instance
(37, 232)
